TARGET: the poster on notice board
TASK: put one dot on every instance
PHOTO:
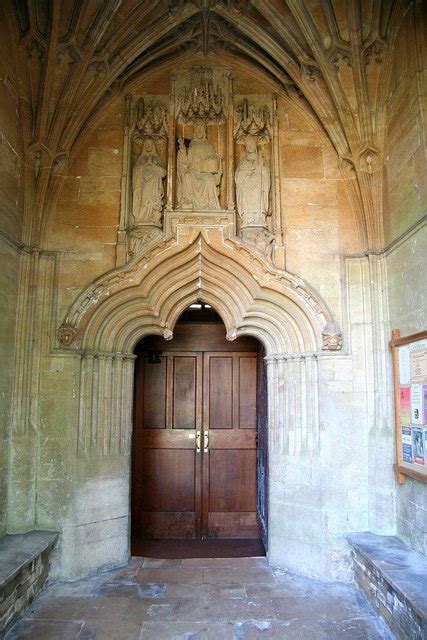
(411, 399)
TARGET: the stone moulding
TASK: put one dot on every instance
(148, 294)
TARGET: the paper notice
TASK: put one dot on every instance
(405, 405)
(404, 370)
(418, 445)
(406, 444)
(418, 362)
(416, 403)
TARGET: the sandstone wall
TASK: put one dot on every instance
(10, 235)
(405, 179)
(406, 197)
(326, 482)
(319, 481)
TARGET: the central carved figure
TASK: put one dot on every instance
(199, 172)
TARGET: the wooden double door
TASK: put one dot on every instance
(195, 445)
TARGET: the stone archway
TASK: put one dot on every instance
(148, 295)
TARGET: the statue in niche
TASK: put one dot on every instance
(252, 185)
(147, 182)
(199, 171)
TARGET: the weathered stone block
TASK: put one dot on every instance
(302, 161)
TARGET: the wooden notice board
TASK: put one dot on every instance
(410, 401)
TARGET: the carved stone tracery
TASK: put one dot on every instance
(202, 98)
(252, 120)
(150, 119)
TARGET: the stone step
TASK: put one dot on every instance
(393, 578)
(24, 568)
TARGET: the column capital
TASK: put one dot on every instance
(290, 357)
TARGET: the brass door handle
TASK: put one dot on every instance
(198, 441)
(206, 441)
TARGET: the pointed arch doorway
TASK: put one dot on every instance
(199, 450)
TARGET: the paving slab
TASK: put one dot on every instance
(30, 629)
(183, 600)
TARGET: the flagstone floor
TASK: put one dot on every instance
(206, 599)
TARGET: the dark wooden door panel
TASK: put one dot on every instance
(247, 390)
(184, 392)
(168, 438)
(166, 466)
(232, 480)
(232, 439)
(229, 463)
(165, 486)
(233, 525)
(153, 394)
(220, 390)
(155, 524)
(198, 337)
(189, 399)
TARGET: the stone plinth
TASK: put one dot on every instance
(393, 577)
(24, 569)
(192, 219)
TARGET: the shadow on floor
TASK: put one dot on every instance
(217, 548)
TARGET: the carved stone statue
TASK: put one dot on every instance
(199, 171)
(252, 186)
(147, 186)
(332, 337)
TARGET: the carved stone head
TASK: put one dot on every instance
(332, 337)
(199, 130)
(149, 145)
(66, 334)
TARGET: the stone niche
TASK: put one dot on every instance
(201, 156)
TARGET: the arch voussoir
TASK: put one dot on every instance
(150, 293)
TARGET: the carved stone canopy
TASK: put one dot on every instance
(202, 97)
(254, 120)
(150, 119)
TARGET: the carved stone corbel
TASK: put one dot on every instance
(369, 160)
(332, 337)
(375, 52)
(66, 334)
(338, 56)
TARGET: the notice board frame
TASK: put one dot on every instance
(404, 469)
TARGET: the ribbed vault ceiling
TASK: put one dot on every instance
(333, 56)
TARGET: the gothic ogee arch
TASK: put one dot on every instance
(147, 296)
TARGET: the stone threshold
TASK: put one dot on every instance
(393, 577)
